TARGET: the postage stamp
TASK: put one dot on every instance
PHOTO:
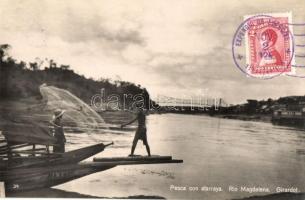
(268, 45)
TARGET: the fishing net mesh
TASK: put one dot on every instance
(29, 122)
(78, 115)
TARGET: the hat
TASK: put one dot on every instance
(58, 113)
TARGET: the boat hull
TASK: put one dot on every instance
(41, 177)
(55, 171)
(71, 157)
(27, 179)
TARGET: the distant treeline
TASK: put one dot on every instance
(252, 107)
(290, 103)
(19, 79)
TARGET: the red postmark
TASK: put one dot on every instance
(268, 46)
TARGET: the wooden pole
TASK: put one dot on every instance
(36, 152)
(34, 147)
(8, 148)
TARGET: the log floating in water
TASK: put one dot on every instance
(136, 162)
(133, 158)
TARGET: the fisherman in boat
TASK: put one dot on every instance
(141, 131)
(58, 131)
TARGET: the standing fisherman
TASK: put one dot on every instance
(140, 133)
(58, 131)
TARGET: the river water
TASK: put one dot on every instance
(216, 153)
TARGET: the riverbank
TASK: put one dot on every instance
(244, 117)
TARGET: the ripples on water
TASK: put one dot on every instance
(216, 152)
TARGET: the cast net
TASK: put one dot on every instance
(29, 122)
(78, 115)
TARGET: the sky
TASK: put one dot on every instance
(174, 48)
